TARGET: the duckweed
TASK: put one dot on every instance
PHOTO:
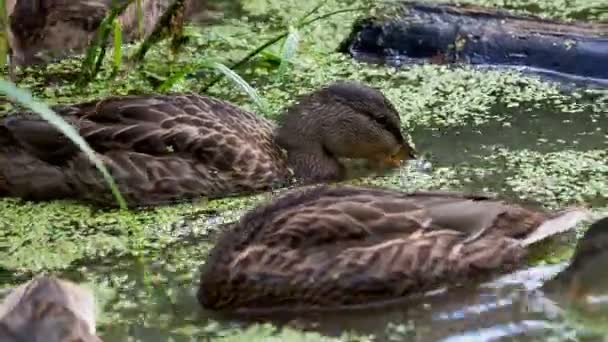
(483, 130)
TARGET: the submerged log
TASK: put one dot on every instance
(419, 32)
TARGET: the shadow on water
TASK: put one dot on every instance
(527, 129)
(544, 129)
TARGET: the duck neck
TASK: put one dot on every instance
(313, 166)
(310, 161)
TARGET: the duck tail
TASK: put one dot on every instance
(561, 222)
(24, 174)
(5, 140)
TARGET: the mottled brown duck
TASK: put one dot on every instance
(336, 247)
(167, 148)
(52, 28)
(48, 309)
(587, 273)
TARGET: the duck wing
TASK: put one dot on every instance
(159, 148)
(156, 125)
(344, 246)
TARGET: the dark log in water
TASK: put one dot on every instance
(442, 33)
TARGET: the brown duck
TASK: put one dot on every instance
(48, 309)
(339, 247)
(587, 273)
(166, 148)
(55, 27)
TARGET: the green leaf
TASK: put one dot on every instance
(25, 98)
(174, 78)
(117, 45)
(96, 50)
(289, 49)
(140, 18)
(311, 12)
(238, 80)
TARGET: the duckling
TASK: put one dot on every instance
(336, 247)
(48, 309)
(169, 148)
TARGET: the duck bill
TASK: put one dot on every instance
(406, 152)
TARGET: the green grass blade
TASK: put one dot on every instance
(289, 50)
(272, 41)
(26, 99)
(96, 50)
(4, 34)
(311, 12)
(117, 45)
(238, 80)
(174, 78)
(140, 18)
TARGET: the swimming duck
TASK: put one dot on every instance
(48, 309)
(334, 247)
(167, 148)
(59, 26)
(587, 272)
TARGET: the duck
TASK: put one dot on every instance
(586, 272)
(53, 28)
(167, 148)
(48, 308)
(39, 29)
(336, 247)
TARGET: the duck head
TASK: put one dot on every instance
(587, 272)
(346, 119)
(48, 309)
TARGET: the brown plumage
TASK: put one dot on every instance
(48, 309)
(56, 27)
(167, 148)
(587, 273)
(333, 247)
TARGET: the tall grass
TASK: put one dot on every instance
(117, 54)
(4, 28)
(97, 48)
(290, 45)
(25, 98)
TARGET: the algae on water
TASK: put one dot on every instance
(492, 131)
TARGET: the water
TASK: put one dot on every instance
(151, 297)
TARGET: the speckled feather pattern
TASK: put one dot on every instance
(63, 25)
(159, 149)
(331, 247)
(48, 309)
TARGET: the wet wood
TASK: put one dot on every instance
(444, 33)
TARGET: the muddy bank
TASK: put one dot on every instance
(417, 32)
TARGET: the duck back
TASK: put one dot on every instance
(329, 248)
(158, 148)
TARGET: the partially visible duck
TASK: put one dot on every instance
(167, 148)
(339, 247)
(57, 27)
(587, 273)
(48, 309)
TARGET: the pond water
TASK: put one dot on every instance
(551, 149)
